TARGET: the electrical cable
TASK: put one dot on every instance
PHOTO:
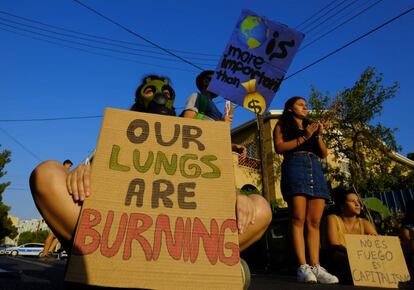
(92, 46)
(137, 35)
(104, 38)
(51, 119)
(291, 75)
(16, 188)
(90, 40)
(330, 17)
(20, 144)
(326, 13)
(350, 43)
(97, 53)
(313, 15)
(339, 25)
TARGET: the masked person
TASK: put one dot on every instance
(155, 96)
(59, 193)
(52, 186)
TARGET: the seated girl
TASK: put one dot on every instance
(346, 220)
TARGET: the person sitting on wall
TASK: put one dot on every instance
(201, 106)
(59, 194)
(345, 220)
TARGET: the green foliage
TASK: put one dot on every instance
(276, 203)
(6, 226)
(277, 166)
(32, 237)
(392, 225)
(361, 146)
(248, 191)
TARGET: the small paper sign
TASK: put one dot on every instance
(255, 61)
(376, 261)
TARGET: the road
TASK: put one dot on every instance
(28, 273)
(22, 273)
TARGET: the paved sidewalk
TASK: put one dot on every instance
(29, 274)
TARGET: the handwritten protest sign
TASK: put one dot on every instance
(376, 261)
(255, 61)
(161, 211)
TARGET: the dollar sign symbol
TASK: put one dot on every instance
(254, 104)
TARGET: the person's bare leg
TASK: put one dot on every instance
(48, 243)
(263, 218)
(297, 206)
(313, 220)
(48, 186)
(52, 248)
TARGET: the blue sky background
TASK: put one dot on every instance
(40, 79)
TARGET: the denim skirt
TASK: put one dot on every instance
(302, 175)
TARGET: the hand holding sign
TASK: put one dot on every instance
(229, 108)
(245, 212)
(228, 111)
(78, 182)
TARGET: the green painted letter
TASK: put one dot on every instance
(113, 161)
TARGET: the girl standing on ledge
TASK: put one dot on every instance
(303, 186)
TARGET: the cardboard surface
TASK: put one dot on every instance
(161, 211)
(376, 261)
(255, 61)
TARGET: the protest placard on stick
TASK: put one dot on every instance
(255, 61)
(162, 208)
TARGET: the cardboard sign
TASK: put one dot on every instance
(255, 61)
(161, 211)
(376, 261)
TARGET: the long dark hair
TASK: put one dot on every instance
(290, 129)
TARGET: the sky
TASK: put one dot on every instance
(45, 75)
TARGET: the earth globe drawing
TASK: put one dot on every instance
(253, 31)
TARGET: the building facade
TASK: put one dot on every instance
(248, 172)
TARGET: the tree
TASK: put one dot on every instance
(6, 226)
(410, 155)
(356, 142)
(32, 237)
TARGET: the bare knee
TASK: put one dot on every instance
(43, 177)
(48, 186)
(262, 221)
(263, 211)
(298, 219)
(313, 223)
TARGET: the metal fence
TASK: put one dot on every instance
(395, 200)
